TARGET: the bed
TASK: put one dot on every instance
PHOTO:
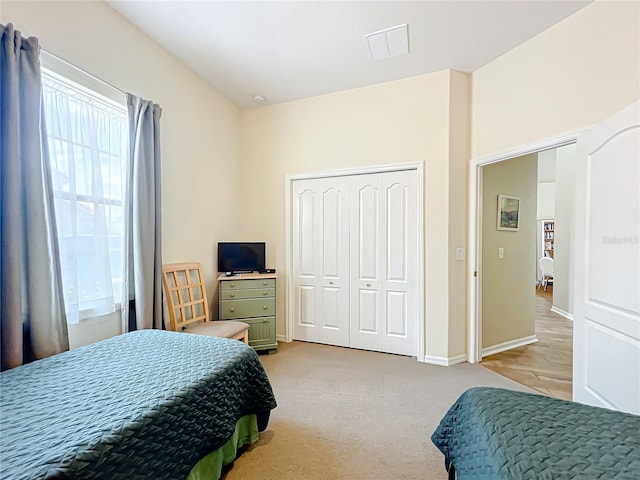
(146, 404)
(492, 433)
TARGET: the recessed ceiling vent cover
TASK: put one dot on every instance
(391, 42)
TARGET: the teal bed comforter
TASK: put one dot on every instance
(147, 404)
(492, 433)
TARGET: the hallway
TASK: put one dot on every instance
(546, 366)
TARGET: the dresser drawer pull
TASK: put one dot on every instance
(264, 293)
(232, 285)
(264, 284)
(232, 309)
(265, 321)
(264, 307)
(232, 295)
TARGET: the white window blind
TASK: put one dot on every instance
(88, 144)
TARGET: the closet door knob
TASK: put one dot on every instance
(330, 283)
(368, 284)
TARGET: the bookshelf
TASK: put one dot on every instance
(548, 237)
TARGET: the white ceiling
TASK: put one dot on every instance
(287, 50)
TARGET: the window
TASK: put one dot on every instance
(88, 145)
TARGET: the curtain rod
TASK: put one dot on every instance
(56, 57)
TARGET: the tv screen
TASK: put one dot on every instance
(241, 256)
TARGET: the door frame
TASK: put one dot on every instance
(474, 265)
(288, 198)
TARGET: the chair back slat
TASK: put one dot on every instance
(185, 294)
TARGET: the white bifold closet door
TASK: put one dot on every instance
(355, 256)
(383, 259)
(321, 260)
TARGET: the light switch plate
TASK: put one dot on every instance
(501, 252)
(460, 254)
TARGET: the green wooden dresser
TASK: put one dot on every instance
(251, 298)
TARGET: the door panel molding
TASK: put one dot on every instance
(618, 349)
(610, 245)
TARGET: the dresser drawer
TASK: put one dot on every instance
(262, 331)
(252, 293)
(252, 307)
(248, 283)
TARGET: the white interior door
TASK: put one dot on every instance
(321, 260)
(607, 277)
(384, 249)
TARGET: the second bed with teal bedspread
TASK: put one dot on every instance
(492, 433)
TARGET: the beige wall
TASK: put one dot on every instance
(396, 122)
(564, 217)
(199, 127)
(508, 284)
(459, 152)
(572, 75)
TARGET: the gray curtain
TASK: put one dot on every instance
(32, 317)
(142, 288)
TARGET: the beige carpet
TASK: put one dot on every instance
(352, 414)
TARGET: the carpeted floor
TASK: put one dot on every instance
(352, 414)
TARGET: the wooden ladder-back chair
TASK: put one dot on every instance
(188, 307)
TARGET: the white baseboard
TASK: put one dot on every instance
(501, 347)
(562, 313)
(444, 361)
(281, 338)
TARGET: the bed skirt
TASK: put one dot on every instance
(246, 433)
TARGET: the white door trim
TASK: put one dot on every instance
(288, 185)
(474, 295)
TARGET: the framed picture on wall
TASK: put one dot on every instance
(508, 213)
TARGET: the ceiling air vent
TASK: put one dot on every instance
(390, 42)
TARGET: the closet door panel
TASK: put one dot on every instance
(331, 230)
(305, 218)
(368, 312)
(307, 302)
(305, 263)
(396, 314)
(397, 218)
(333, 257)
(368, 231)
(367, 241)
(331, 313)
(401, 274)
(321, 260)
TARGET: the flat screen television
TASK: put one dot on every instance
(241, 257)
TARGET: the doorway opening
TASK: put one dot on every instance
(516, 329)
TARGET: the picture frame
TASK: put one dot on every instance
(508, 213)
